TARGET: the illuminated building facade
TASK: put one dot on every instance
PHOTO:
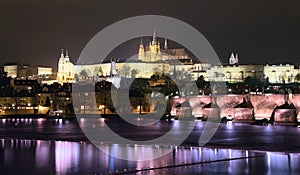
(22, 71)
(152, 59)
(281, 73)
(66, 69)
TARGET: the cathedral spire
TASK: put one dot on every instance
(141, 42)
(166, 44)
(154, 36)
(232, 59)
(141, 53)
(232, 55)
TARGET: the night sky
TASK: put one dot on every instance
(261, 31)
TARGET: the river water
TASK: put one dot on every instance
(39, 146)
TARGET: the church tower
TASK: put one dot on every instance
(154, 37)
(61, 61)
(154, 49)
(66, 69)
(141, 54)
(152, 52)
(233, 59)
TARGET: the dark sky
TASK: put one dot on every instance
(261, 31)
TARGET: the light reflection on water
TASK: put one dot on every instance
(60, 157)
(63, 157)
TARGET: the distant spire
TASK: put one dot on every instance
(154, 36)
(113, 70)
(141, 42)
(232, 55)
(141, 52)
(62, 57)
(166, 44)
(232, 59)
(236, 59)
(62, 53)
(67, 56)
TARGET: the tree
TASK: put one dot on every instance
(47, 103)
(134, 72)
(125, 71)
(253, 81)
(70, 108)
(100, 71)
(200, 82)
(83, 73)
(156, 70)
(155, 76)
(297, 78)
(96, 71)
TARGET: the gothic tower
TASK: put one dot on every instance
(236, 59)
(154, 49)
(141, 54)
(233, 59)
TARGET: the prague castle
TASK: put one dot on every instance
(156, 58)
(150, 59)
(153, 58)
(154, 53)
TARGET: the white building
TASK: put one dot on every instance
(152, 59)
(66, 69)
(281, 73)
(21, 71)
(44, 70)
(11, 70)
(234, 73)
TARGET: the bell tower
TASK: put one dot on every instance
(66, 69)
